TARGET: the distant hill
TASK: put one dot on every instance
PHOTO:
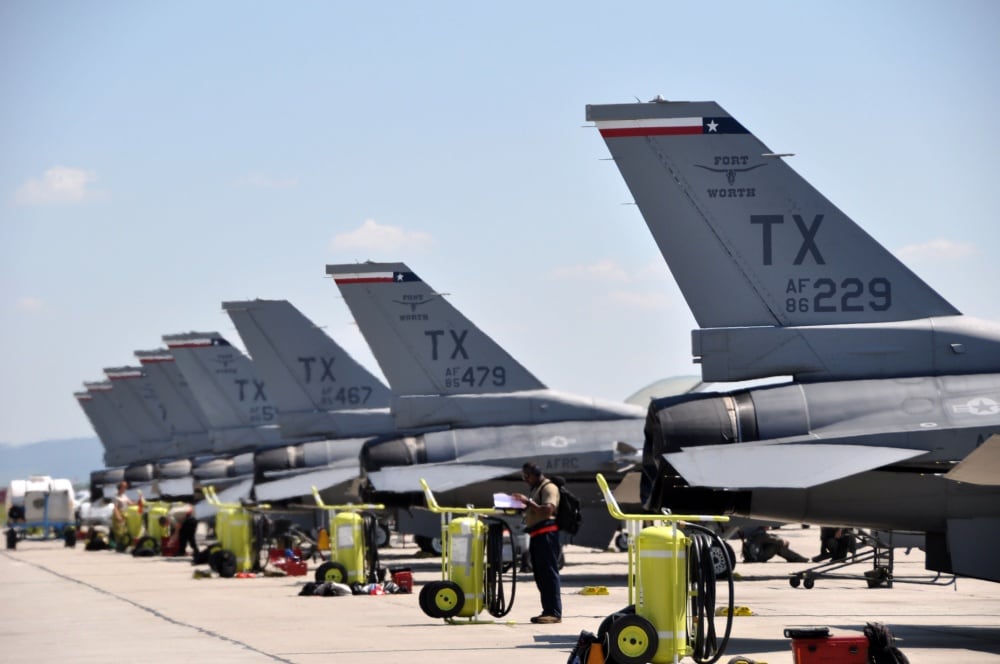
(72, 459)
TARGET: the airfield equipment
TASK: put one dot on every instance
(668, 564)
(353, 546)
(472, 563)
(241, 532)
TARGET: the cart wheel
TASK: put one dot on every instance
(621, 541)
(602, 630)
(146, 546)
(213, 560)
(447, 599)
(632, 640)
(227, 564)
(123, 543)
(808, 582)
(794, 581)
(426, 603)
(331, 572)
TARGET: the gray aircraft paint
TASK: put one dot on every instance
(227, 389)
(883, 366)
(445, 372)
(139, 403)
(442, 369)
(187, 422)
(318, 388)
(121, 442)
(806, 291)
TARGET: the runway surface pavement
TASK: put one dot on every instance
(59, 604)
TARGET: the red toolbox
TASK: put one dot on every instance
(403, 577)
(292, 564)
(810, 646)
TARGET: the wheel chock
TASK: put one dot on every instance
(594, 590)
(737, 611)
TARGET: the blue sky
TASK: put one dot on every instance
(159, 158)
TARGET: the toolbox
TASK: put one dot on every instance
(815, 645)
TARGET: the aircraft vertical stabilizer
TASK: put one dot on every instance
(318, 388)
(188, 422)
(720, 202)
(421, 342)
(231, 396)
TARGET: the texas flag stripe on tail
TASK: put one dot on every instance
(374, 277)
(669, 127)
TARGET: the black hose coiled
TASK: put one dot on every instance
(370, 535)
(706, 648)
(496, 604)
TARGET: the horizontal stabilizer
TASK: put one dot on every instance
(440, 477)
(780, 465)
(302, 484)
(982, 466)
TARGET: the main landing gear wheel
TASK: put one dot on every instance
(719, 562)
(332, 572)
(632, 640)
(381, 536)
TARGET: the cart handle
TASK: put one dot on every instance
(349, 507)
(617, 513)
(432, 505)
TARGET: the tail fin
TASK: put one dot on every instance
(309, 375)
(140, 405)
(749, 241)
(227, 389)
(190, 428)
(121, 446)
(421, 342)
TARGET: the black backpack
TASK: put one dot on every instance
(882, 645)
(568, 515)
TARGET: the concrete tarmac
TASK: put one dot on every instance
(68, 605)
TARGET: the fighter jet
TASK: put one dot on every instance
(894, 394)
(323, 396)
(487, 413)
(243, 419)
(132, 444)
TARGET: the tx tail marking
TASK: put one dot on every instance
(765, 221)
(458, 339)
(258, 385)
(327, 366)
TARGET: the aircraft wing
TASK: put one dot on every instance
(302, 484)
(439, 476)
(982, 466)
(181, 486)
(780, 465)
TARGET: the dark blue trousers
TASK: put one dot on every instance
(544, 552)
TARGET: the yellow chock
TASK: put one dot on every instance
(594, 590)
(201, 574)
(737, 611)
